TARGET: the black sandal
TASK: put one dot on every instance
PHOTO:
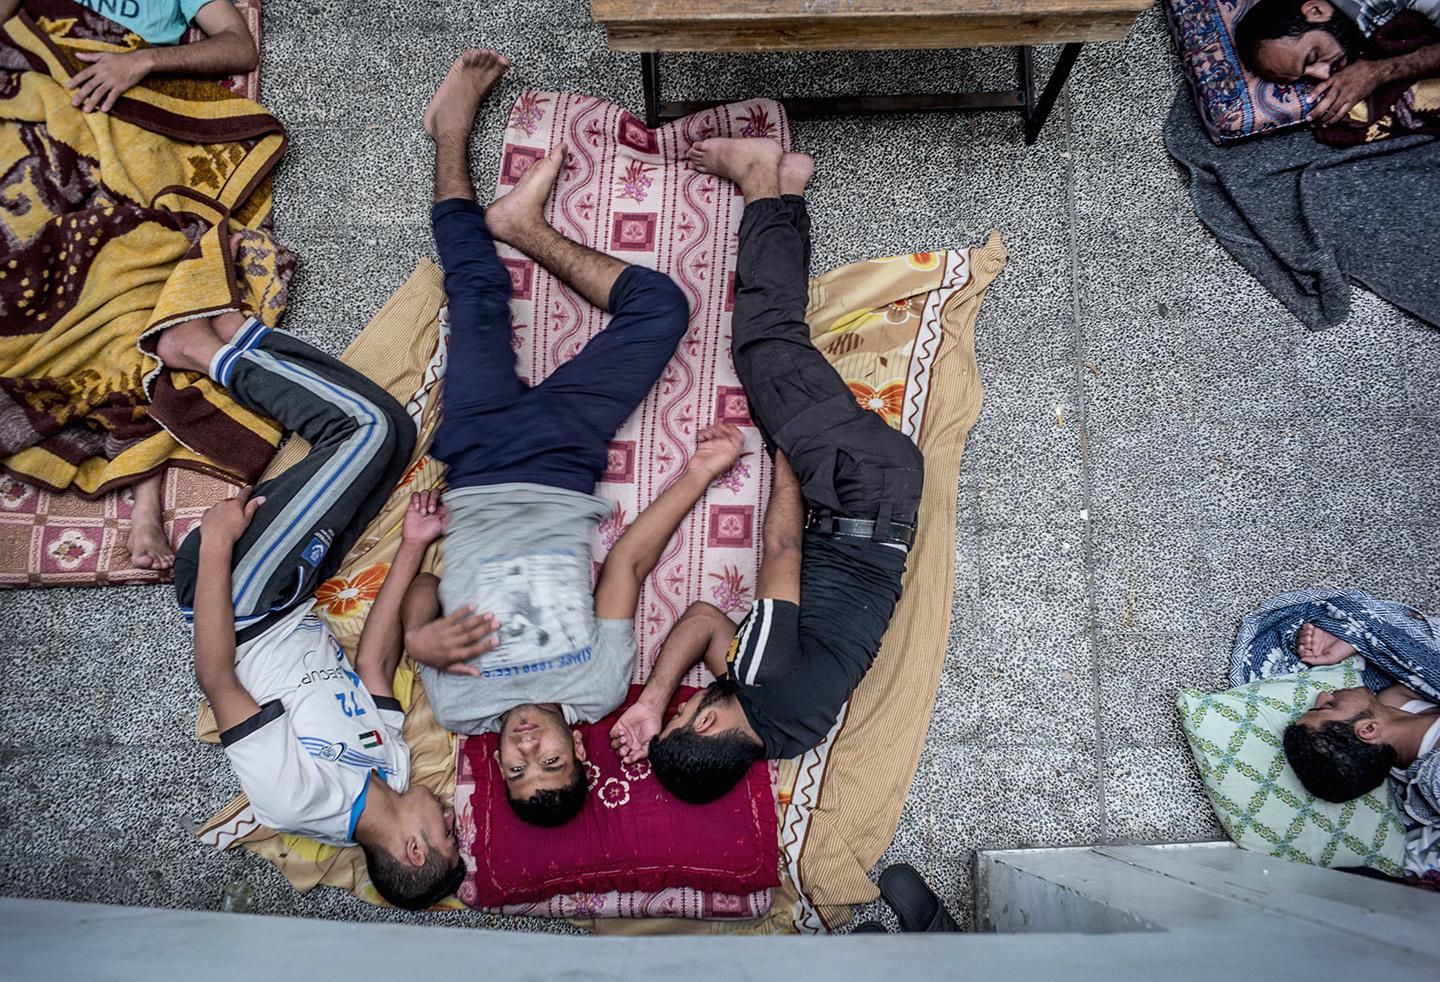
(870, 927)
(913, 902)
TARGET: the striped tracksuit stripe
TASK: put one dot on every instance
(360, 443)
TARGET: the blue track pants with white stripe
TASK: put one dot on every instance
(360, 443)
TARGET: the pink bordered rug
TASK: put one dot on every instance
(49, 539)
(628, 190)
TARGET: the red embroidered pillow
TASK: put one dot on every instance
(631, 834)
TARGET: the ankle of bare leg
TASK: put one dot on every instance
(526, 232)
(758, 192)
(759, 181)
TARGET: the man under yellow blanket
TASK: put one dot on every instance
(227, 48)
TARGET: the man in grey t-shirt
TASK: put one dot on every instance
(521, 553)
(547, 651)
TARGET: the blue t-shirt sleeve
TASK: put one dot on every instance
(189, 8)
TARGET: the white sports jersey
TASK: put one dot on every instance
(305, 758)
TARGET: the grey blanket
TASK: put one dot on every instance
(1308, 219)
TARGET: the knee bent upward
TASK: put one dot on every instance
(401, 439)
(654, 292)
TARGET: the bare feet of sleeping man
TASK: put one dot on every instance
(758, 165)
(147, 544)
(522, 209)
(471, 77)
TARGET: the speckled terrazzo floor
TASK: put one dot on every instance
(1212, 451)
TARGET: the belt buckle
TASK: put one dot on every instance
(820, 520)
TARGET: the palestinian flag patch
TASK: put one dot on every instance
(371, 739)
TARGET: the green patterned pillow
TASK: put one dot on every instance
(1235, 737)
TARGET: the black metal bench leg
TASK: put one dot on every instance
(650, 77)
(1025, 68)
(1038, 110)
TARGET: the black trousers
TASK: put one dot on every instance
(360, 444)
(848, 460)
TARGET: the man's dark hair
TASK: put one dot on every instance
(699, 769)
(411, 887)
(1333, 762)
(553, 807)
(1269, 20)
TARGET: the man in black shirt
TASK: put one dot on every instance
(837, 530)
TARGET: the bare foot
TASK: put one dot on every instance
(795, 171)
(147, 544)
(750, 162)
(188, 345)
(452, 108)
(524, 205)
(1320, 648)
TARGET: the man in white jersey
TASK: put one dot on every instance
(317, 745)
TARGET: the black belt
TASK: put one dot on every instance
(859, 528)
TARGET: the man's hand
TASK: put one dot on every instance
(425, 518)
(110, 75)
(1316, 647)
(447, 643)
(1335, 96)
(227, 520)
(630, 736)
(716, 450)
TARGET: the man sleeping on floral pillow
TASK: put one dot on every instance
(1354, 53)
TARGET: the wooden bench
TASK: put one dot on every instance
(653, 26)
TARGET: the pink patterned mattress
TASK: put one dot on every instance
(49, 539)
(628, 190)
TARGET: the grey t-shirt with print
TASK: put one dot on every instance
(522, 552)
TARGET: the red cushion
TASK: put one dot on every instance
(631, 834)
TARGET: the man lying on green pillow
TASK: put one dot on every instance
(1353, 739)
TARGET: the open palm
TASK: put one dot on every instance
(425, 518)
(630, 736)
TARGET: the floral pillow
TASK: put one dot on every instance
(1233, 103)
(630, 836)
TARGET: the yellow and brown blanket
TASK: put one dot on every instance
(116, 225)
